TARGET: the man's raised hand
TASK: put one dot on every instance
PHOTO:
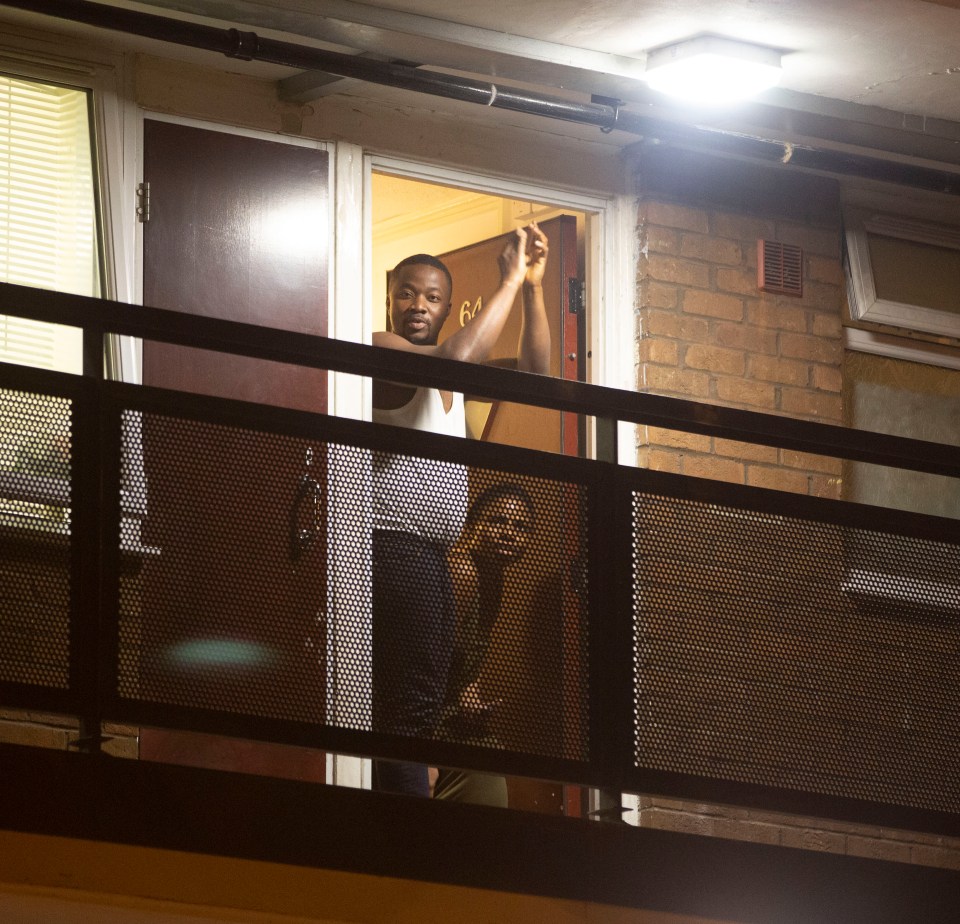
(536, 254)
(513, 258)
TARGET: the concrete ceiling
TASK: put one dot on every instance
(902, 55)
(889, 68)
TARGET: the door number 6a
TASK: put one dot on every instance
(467, 313)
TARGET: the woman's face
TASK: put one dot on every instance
(502, 531)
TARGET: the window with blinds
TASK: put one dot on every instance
(48, 239)
(48, 227)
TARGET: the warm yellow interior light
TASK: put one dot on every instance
(712, 70)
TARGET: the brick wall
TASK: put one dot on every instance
(706, 332)
(805, 833)
(49, 730)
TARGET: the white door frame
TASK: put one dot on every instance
(610, 261)
(610, 269)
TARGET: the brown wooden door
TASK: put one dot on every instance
(237, 230)
(475, 274)
(544, 603)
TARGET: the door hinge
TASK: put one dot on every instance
(143, 202)
(575, 295)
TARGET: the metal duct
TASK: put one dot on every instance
(607, 116)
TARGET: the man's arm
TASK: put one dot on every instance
(474, 342)
(533, 349)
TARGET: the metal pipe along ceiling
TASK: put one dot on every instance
(606, 116)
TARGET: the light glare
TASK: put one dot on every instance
(295, 230)
(207, 653)
(713, 71)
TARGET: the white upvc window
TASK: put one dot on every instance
(67, 155)
(62, 147)
(903, 271)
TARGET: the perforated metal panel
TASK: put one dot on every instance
(228, 613)
(504, 656)
(779, 651)
(258, 593)
(35, 584)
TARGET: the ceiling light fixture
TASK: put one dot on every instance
(712, 70)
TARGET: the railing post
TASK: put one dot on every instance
(87, 540)
(610, 638)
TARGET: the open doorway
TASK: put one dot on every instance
(466, 229)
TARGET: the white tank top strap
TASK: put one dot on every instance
(425, 411)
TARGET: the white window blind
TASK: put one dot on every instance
(48, 229)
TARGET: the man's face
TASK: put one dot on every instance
(419, 302)
(503, 531)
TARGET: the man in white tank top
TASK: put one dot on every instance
(420, 504)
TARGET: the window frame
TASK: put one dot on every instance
(107, 76)
(864, 302)
(55, 59)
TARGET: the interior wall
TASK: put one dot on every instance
(410, 216)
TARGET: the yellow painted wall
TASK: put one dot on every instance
(50, 880)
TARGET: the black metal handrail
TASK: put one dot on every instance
(614, 534)
(99, 317)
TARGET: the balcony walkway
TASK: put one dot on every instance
(664, 635)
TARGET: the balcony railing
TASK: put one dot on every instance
(187, 562)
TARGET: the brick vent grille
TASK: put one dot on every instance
(789, 653)
(779, 268)
(260, 593)
(35, 584)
